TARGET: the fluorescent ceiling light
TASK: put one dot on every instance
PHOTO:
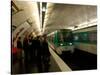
(36, 17)
(44, 9)
(87, 24)
(72, 28)
(52, 33)
(84, 25)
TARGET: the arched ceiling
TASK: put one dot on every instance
(26, 12)
(57, 16)
(62, 16)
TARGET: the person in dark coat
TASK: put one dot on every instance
(34, 50)
(19, 44)
(19, 54)
(30, 48)
(19, 47)
(46, 54)
(26, 53)
(39, 54)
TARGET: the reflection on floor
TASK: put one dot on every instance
(80, 60)
(19, 68)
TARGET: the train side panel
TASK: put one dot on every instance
(86, 39)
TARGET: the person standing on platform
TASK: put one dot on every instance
(34, 50)
(30, 49)
(46, 54)
(26, 53)
(19, 44)
(19, 47)
(39, 54)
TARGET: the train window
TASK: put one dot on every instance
(65, 36)
(60, 37)
(76, 37)
(86, 37)
(93, 37)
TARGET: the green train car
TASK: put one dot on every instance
(86, 39)
(63, 40)
(67, 40)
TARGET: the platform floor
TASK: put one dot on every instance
(19, 67)
(77, 61)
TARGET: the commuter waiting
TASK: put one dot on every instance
(19, 54)
(43, 54)
(19, 47)
(30, 48)
(46, 54)
(39, 54)
(36, 53)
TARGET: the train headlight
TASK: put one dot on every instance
(61, 44)
(70, 43)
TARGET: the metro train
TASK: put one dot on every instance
(67, 40)
(63, 40)
(86, 39)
